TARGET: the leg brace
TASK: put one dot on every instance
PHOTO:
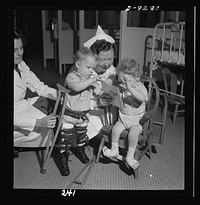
(67, 139)
(80, 132)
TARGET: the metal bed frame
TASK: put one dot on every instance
(171, 36)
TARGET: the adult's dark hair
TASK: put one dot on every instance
(18, 35)
(103, 45)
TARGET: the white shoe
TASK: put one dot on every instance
(109, 152)
(132, 163)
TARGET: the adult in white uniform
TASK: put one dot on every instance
(31, 125)
(104, 46)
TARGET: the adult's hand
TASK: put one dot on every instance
(47, 121)
(105, 100)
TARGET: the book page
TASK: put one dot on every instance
(114, 92)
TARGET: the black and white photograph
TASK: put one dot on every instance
(74, 137)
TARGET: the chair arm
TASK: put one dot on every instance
(146, 117)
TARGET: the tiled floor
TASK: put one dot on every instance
(165, 171)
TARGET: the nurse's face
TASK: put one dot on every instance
(18, 51)
(105, 60)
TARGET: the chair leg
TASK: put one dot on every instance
(163, 105)
(136, 173)
(15, 154)
(100, 148)
(164, 122)
(175, 113)
(150, 151)
(137, 154)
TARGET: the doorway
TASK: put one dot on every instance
(29, 21)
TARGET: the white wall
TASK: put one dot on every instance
(133, 43)
(86, 34)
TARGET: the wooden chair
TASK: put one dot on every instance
(162, 123)
(144, 142)
(173, 96)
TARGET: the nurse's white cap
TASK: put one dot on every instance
(100, 34)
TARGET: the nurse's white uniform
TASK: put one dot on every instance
(25, 115)
(97, 116)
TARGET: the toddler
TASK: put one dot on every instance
(134, 97)
(74, 126)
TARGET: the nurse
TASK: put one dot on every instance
(31, 116)
(105, 48)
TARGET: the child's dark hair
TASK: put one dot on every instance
(103, 45)
(84, 52)
(129, 66)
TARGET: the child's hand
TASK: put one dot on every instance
(127, 83)
(97, 78)
(100, 77)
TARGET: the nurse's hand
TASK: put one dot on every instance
(47, 121)
(105, 100)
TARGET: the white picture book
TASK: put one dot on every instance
(113, 91)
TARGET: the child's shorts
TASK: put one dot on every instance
(130, 120)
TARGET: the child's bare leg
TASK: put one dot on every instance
(116, 131)
(133, 140)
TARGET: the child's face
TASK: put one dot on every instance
(126, 78)
(86, 66)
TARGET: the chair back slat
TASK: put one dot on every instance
(173, 83)
(153, 100)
